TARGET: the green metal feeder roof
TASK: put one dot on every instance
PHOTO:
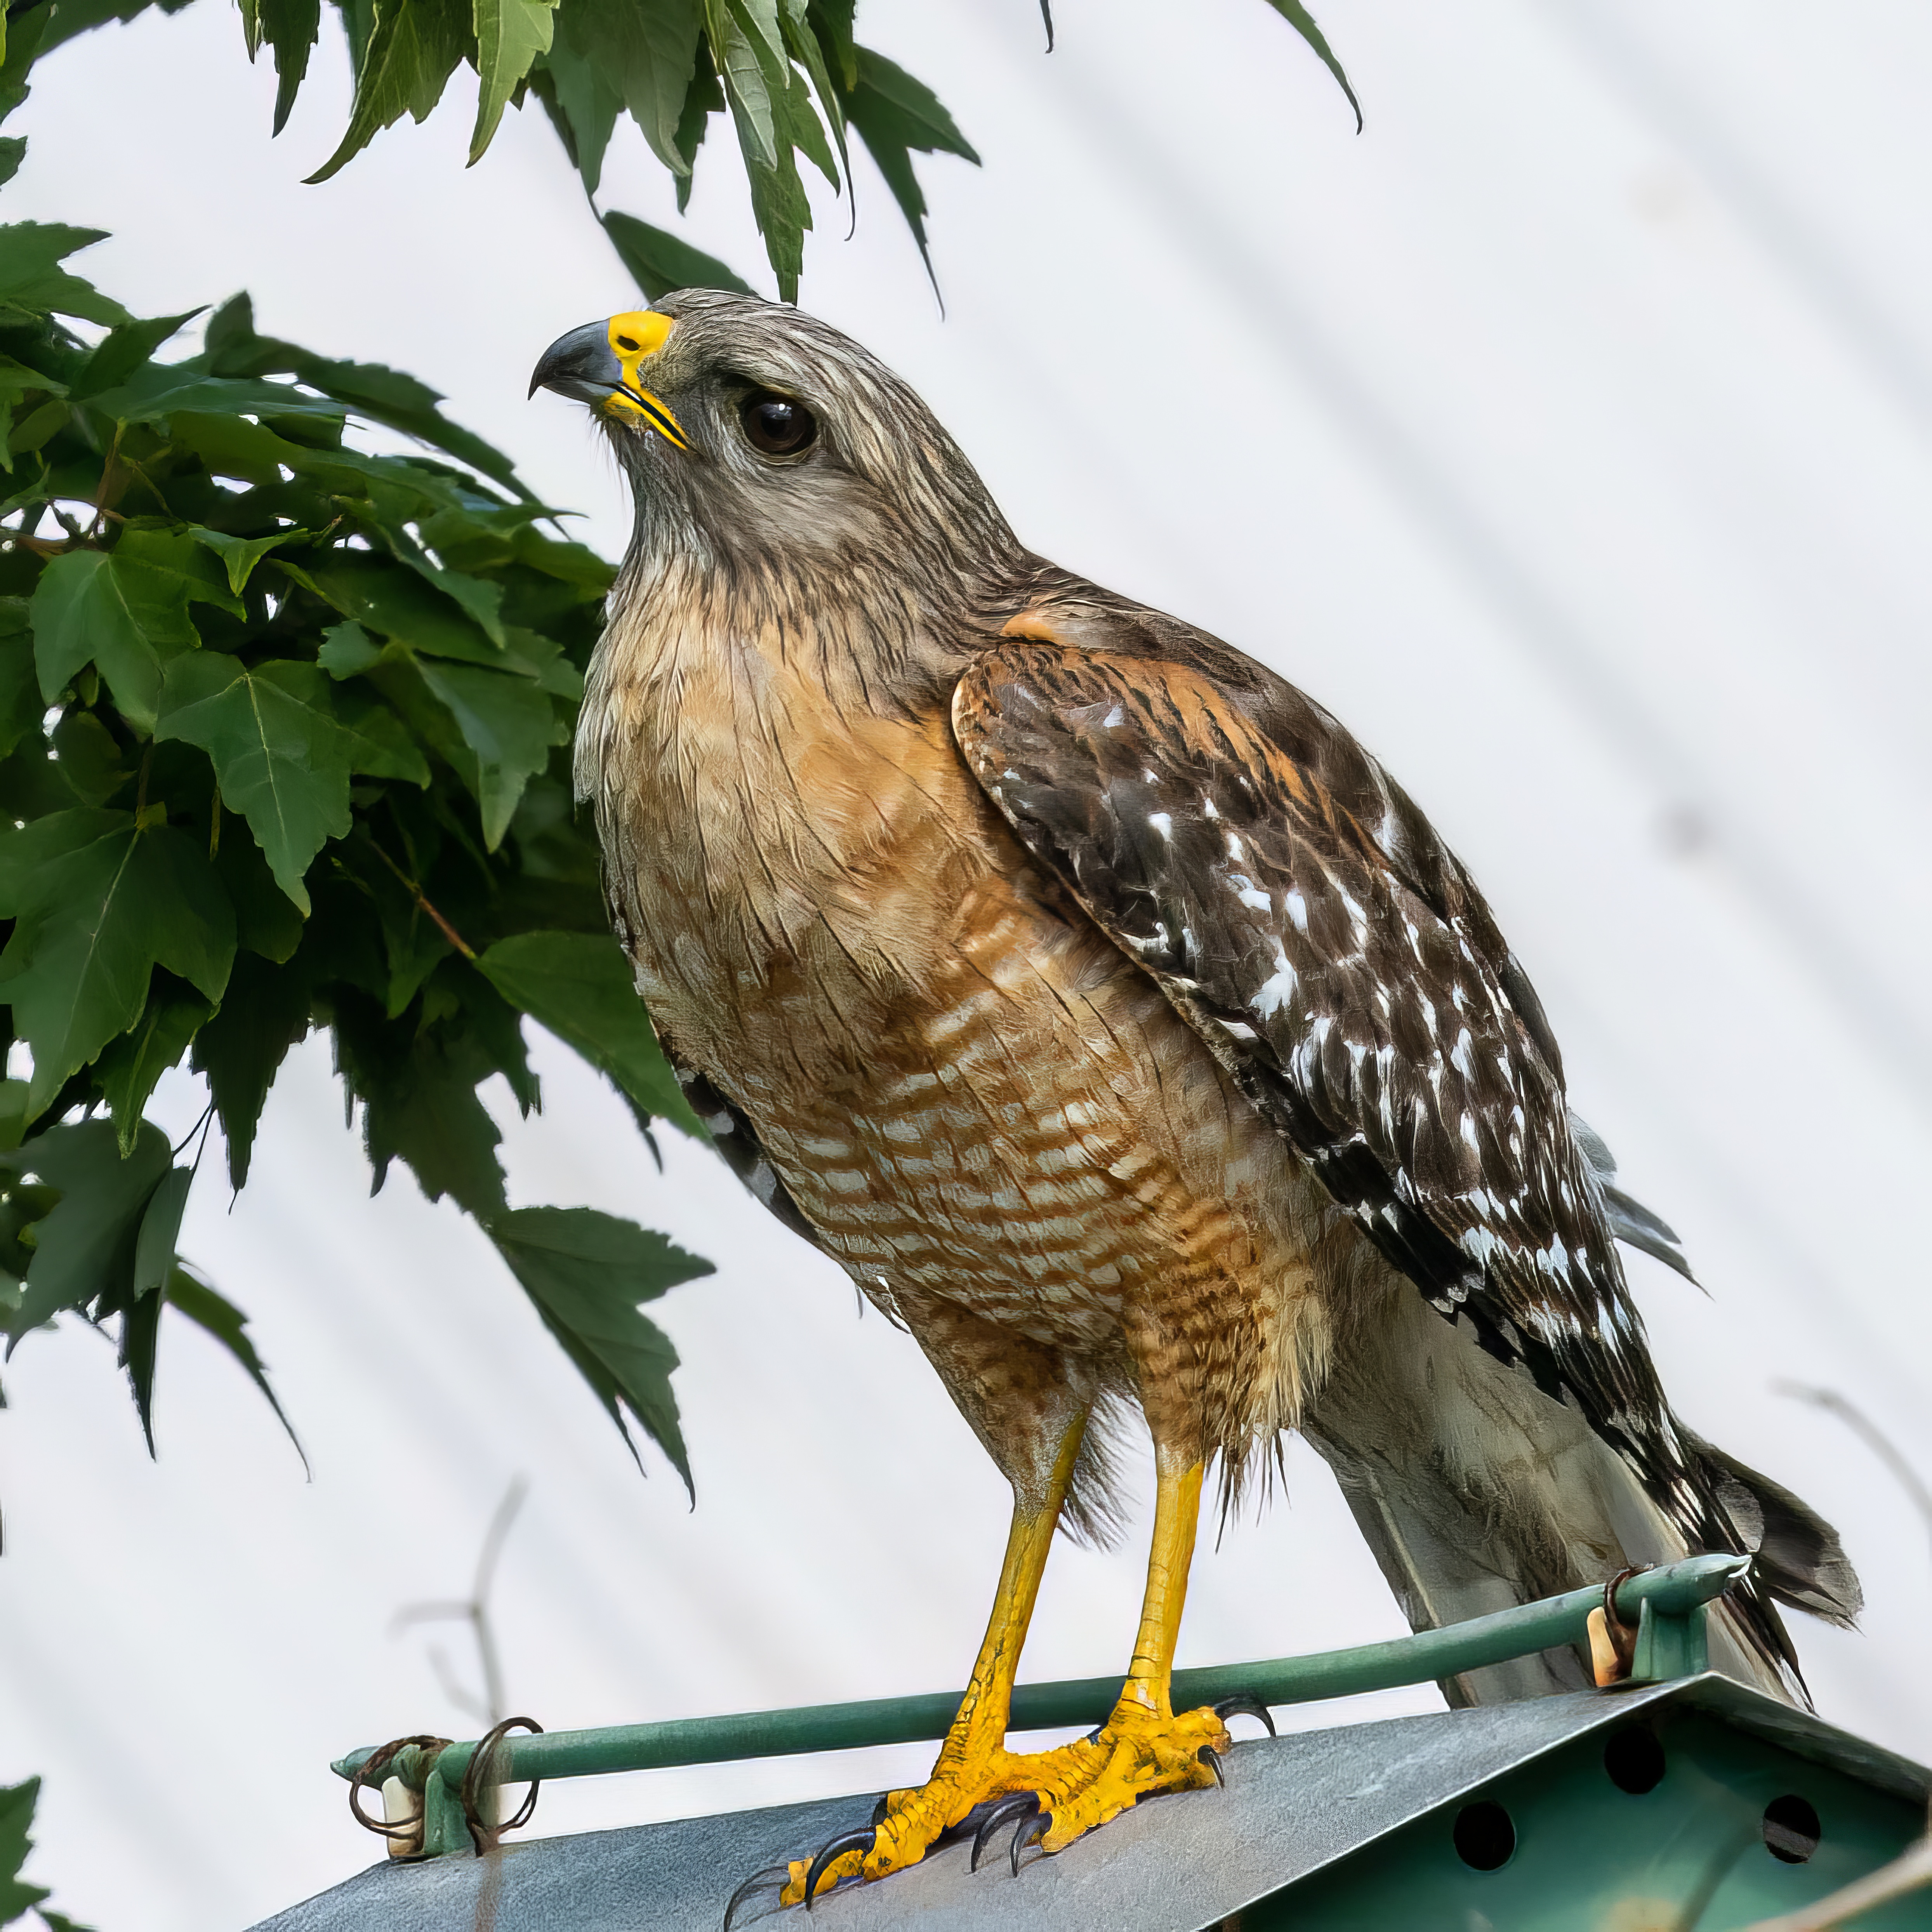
(1394, 1824)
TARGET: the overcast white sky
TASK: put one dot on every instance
(1569, 433)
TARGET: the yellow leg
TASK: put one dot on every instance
(1143, 1747)
(973, 1762)
(1176, 1515)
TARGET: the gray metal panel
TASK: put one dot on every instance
(1810, 1737)
(1174, 1864)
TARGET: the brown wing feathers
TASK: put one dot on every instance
(1351, 979)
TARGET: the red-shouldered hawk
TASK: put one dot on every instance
(1127, 1035)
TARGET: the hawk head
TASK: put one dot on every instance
(755, 435)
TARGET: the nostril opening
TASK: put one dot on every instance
(1791, 1829)
(629, 347)
(1635, 1762)
(1484, 1835)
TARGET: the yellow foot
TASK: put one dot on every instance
(1073, 1789)
(1137, 1754)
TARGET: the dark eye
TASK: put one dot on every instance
(776, 424)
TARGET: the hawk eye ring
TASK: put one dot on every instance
(777, 424)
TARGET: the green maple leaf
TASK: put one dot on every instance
(129, 1067)
(239, 1051)
(282, 760)
(496, 728)
(412, 52)
(124, 350)
(240, 555)
(748, 44)
(508, 725)
(291, 27)
(31, 279)
(87, 1248)
(98, 900)
(587, 1273)
(897, 116)
(660, 262)
(369, 388)
(220, 1318)
(157, 391)
(643, 52)
(420, 1106)
(1303, 22)
(379, 744)
(16, 1815)
(414, 607)
(510, 35)
(125, 610)
(579, 985)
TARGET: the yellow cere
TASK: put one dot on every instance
(633, 335)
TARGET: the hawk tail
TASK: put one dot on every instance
(1475, 1492)
(1799, 1561)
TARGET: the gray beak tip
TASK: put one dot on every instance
(579, 364)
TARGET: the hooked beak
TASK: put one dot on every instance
(598, 364)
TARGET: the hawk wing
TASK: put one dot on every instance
(1299, 911)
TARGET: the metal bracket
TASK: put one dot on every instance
(1669, 1606)
(1670, 1643)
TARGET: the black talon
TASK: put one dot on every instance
(771, 1875)
(1244, 1704)
(1015, 1805)
(846, 1841)
(1026, 1835)
(879, 1810)
(1211, 1758)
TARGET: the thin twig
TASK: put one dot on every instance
(154, 487)
(106, 478)
(493, 1539)
(475, 1611)
(454, 1689)
(1868, 1433)
(1910, 1870)
(200, 1127)
(448, 932)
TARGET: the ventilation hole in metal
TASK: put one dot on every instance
(1485, 1835)
(1634, 1760)
(1791, 1829)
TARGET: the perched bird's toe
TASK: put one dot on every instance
(1029, 1831)
(840, 1857)
(1244, 1704)
(1048, 1798)
(774, 1876)
(1137, 1755)
(1020, 1806)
